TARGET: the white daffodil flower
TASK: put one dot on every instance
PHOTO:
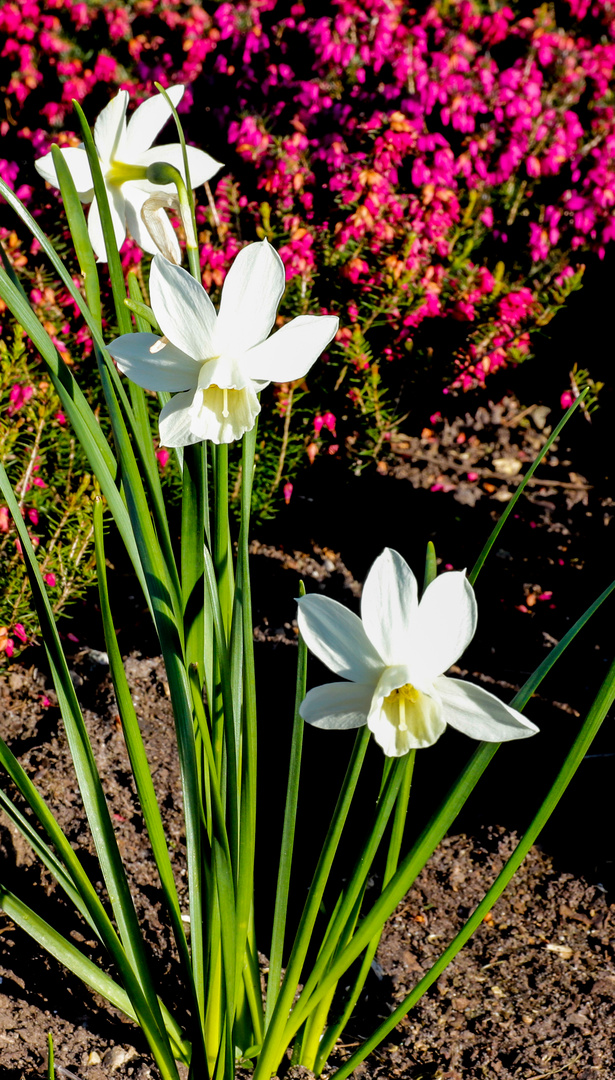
(215, 365)
(125, 151)
(394, 658)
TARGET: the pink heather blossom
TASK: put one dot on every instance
(163, 456)
(20, 633)
(288, 490)
(60, 417)
(18, 397)
(33, 515)
(567, 399)
(5, 519)
(50, 580)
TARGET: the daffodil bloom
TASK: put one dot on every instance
(125, 151)
(215, 365)
(394, 658)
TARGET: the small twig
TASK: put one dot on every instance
(282, 458)
(554, 1072)
(25, 483)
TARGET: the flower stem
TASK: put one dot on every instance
(275, 1042)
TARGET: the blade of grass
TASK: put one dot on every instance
(288, 835)
(474, 572)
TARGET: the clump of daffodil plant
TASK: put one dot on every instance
(208, 369)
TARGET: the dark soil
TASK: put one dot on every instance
(533, 995)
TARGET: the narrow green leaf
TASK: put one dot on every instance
(474, 572)
(431, 566)
(69, 955)
(288, 834)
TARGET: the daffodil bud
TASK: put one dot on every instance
(163, 173)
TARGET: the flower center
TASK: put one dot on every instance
(404, 698)
(212, 395)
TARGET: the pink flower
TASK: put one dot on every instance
(33, 515)
(18, 396)
(5, 519)
(50, 580)
(472, 476)
(19, 632)
(567, 399)
(329, 422)
(60, 417)
(163, 456)
(288, 490)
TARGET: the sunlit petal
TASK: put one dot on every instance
(164, 369)
(184, 312)
(117, 209)
(444, 626)
(337, 705)
(153, 233)
(175, 421)
(251, 293)
(389, 605)
(222, 415)
(336, 636)
(79, 167)
(110, 127)
(147, 122)
(479, 714)
(290, 352)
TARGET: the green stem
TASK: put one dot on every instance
(272, 1047)
(288, 836)
(332, 1034)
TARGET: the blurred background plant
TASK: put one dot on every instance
(438, 180)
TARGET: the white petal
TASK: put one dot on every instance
(290, 352)
(175, 421)
(79, 166)
(147, 122)
(167, 369)
(444, 626)
(336, 636)
(202, 167)
(110, 127)
(480, 714)
(251, 293)
(419, 724)
(389, 605)
(183, 310)
(337, 705)
(117, 208)
(155, 235)
(211, 404)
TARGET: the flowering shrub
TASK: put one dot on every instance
(445, 171)
(40, 455)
